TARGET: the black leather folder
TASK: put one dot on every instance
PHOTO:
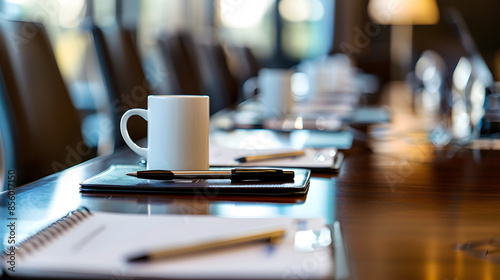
(115, 180)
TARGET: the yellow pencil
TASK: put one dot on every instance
(271, 235)
(271, 156)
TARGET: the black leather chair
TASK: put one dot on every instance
(218, 83)
(124, 77)
(39, 125)
(244, 66)
(180, 59)
(197, 68)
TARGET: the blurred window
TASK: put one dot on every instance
(62, 20)
(306, 26)
(157, 19)
(248, 22)
(104, 12)
(74, 52)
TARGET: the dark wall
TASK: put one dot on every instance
(482, 19)
(481, 16)
(367, 43)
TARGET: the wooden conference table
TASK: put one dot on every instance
(401, 204)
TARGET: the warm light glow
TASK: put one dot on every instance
(295, 10)
(242, 13)
(299, 123)
(72, 14)
(301, 10)
(69, 51)
(431, 259)
(403, 12)
(488, 271)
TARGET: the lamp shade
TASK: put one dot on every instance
(403, 12)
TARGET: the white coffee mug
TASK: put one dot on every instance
(276, 91)
(178, 128)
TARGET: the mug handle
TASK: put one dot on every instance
(123, 128)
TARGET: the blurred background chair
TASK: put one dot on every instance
(243, 64)
(199, 68)
(179, 55)
(220, 84)
(124, 78)
(40, 127)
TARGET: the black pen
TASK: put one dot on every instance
(237, 174)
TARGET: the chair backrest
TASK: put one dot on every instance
(220, 97)
(40, 123)
(228, 81)
(199, 68)
(124, 77)
(179, 54)
(243, 64)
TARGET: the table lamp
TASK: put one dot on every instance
(402, 15)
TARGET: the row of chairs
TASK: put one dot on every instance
(39, 126)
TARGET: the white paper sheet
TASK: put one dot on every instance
(100, 245)
(323, 158)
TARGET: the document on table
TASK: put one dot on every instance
(98, 245)
(323, 159)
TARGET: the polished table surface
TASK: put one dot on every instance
(402, 204)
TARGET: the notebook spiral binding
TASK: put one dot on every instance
(52, 231)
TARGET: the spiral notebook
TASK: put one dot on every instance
(86, 244)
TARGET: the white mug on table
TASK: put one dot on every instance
(276, 91)
(178, 128)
